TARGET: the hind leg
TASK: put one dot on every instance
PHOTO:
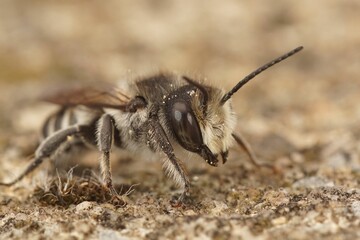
(48, 147)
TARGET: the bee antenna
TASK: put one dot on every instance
(246, 79)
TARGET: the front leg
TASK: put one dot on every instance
(105, 137)
(158, 140)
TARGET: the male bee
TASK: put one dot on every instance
(164, 114)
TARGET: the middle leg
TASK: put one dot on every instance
(105, 139)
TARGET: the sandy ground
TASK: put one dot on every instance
(302, 117)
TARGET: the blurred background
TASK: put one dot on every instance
(46, 43)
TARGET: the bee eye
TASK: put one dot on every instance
(185, 126)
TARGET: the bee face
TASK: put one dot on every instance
(217, 123)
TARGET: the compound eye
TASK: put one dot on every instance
(185, 126)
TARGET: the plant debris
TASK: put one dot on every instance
(74, 190)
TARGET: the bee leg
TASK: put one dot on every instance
(173, 166)
(47, 148)
(247, 148)
(105, 140)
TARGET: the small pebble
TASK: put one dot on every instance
(84, 206)
(279, 221)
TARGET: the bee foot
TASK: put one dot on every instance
(181, 200)
(268, 166)
(117, 201)
(177, 202)
(114, 198)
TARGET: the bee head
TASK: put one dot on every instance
(200, 122)
(201, 116)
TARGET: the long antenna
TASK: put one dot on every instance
(246, 79)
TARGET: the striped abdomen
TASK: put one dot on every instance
(69, 116)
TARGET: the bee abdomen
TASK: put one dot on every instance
(61, 119)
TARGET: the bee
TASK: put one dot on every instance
(165, 114)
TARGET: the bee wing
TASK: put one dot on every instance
(90, 96)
